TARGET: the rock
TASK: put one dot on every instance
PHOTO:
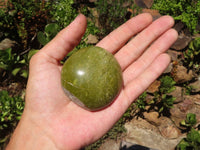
(169, 68)
(91, 39)
(177, 116)
(144, 3)
(110, 145)
(195, 85)
(154, 87)
(155, 13)
(143, 133)
(197, 99)
(195, 109)
(95, 18)
(140, 3)
(178, 94)
(152, 117)
(179, 26)
(186, 105)
(174, 54)
(191, 104)
(148, 3)
(148, 100)
(168, 129)
(181, 74)
(181, 42)
(6, 43)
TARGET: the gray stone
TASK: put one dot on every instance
(186, 105)
(169, 68)
(6, 43)
(144, 3)
(195, 85)
(154, 87)
(152, 117)
(181, 42)
(168, 129)
(143, 133)
(179, 26)
(91, 39)
(177, 116)
(155, 13)
(178, 94)
(110, 145)
(182, 74)
(174, 54)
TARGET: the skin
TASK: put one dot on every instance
(51, 121)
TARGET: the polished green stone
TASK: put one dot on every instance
(92, 78)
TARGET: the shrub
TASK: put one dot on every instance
(112, 14)
(11, 109)
(20, 20)
(191, 55)
(192, 140)
(187, 11)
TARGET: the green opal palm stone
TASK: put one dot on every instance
(92, 78)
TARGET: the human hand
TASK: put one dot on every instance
(51, 121)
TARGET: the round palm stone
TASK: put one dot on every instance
(92, 78)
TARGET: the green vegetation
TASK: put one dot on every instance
(113, 14)
(192, 54)
(63, 13)
(12, 63)
(162, 101)
(49, 33)
(190, 120)
(11, 109)
(192, 140)
(21, 19)
(187, 11)
(141, 102)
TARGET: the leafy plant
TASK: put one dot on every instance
(191, 55)
(166, 102)
(162, 99)
(10, 62)
(190, 120)
(19, 20)
(187, 11)
(63, 12)
(49, 33)
(192, 140)
(15, 64)
(141, 102)
(167, 85)
(112, 14)
(11, 109)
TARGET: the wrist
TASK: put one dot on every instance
(29, 136)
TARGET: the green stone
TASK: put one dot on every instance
(92, 78)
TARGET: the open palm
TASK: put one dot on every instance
(141, 58)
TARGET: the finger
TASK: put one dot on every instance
(159, 46)
(138, 85)
(116, 39)
(66, 39)
(136, 46)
